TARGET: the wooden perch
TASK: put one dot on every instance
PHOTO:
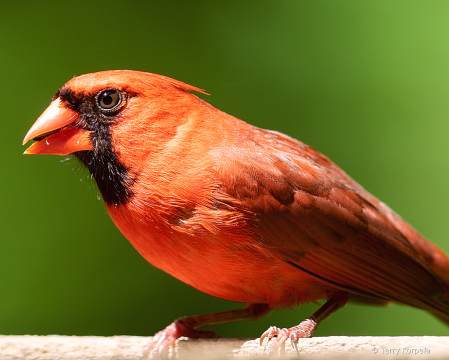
(56, 347)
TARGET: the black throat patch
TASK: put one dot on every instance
(114, 179)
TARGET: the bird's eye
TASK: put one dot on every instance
(109, 99)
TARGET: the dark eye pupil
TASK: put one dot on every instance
(109, 99)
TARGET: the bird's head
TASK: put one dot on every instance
(112, 121)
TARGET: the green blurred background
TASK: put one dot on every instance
(364, 82)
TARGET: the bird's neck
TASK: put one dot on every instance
(113, 178)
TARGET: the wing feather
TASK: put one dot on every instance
(309, 213)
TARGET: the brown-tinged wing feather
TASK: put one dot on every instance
(309, 213)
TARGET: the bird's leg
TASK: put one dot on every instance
(186, 326)
(306, 328)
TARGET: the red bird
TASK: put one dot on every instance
(238, 212)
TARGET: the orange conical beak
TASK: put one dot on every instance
(67, 138)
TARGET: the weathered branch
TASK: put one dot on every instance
(56, 347)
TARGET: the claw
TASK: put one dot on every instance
(167, 337)
(187, 327)
(270, 333)
(304, 330)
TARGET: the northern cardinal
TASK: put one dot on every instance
(238, 212)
